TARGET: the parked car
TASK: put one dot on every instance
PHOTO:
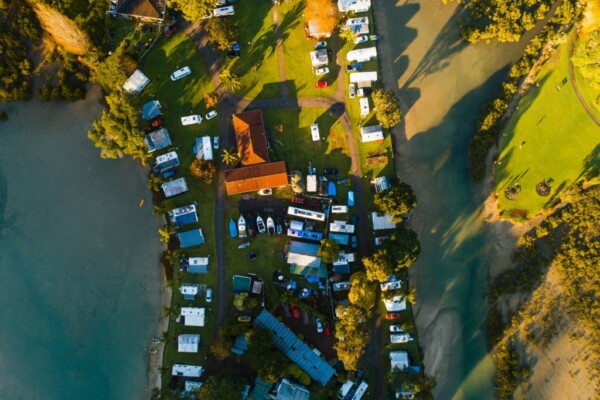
(327, 330)
(157, 122)
(330, 171)
(320, 45)
(353, 241)
(351, 90)
(170, 29)
(216, 143)
(353, 220)
(180, 73)
(232, 54)
(396, 328)
(322, 84)
(295, 312)
(362, 92)
(400, 338)
(354, 67)
(374, 37)
(265, 192)
(297, 200)
(319, 325)
(360, 39)
(209, 295)
(392, 315)
(210, 115)
(321, 71)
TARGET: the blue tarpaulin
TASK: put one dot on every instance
(191, 238)
(150, 110)
(331, 191)
(350, 198)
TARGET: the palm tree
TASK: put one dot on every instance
(347, 34)
(154, 182)
(171, 258)
(165, 233)
(171, 311)
(230, 81)
(229, 157)
(160, 208)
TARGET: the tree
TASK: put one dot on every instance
(221, 346)
(222, 33)
(160, 208)
(329, 251)
(352, 333)
(230, 157)
(586, 56)
(273, 367)
(220, 387)
(65, 32)
(230, 81)
(409, 381)
(403, 247)
(347, 34)
(264, 356)
(362, 292)
(387, 108)
(397, 201)
(154, 182)
(194, 10)
(165, 233)
(323, 13)
(203, 170)
(117, 133)
(210, 99)
(378, 266)
(409, 294)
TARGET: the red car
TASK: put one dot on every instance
(322, 84)
(327, 330)
(170, 29)
(297, 200)
(157, 122)
(392, 315)
(296, 312)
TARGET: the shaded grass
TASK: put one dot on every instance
(297, 47)
(257, 66)
(178, 99)
(549, 136)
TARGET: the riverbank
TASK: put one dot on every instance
(156, 360)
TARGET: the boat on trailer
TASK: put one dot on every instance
(270, 226)
(260, 224)
(242, 227)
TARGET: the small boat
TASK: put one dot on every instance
(260, 224)
(279, 229)
(244, 245)
(270, 226)
(244, 318)
(233, 232)
(331, 190)
(242, 226)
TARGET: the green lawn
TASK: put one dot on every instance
(178, 99)
(258, 64)
(549, 136)
(591, 95)
(297, 47)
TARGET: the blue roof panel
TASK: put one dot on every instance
(191, 238)
(186, 219)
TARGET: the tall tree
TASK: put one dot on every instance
(352, 333)
(403, 247)
(222, 33)
(220, 387)
(230, 157)
(203, 170)
(194, 10)
(362, 292)
(65, 32)
(323, 13)
(378, 266)
(347, 34)
(230, 81)
(397, 201)
(329, 251)
(387, 108)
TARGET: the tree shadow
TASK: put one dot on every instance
(409, 96)
(554, 199)
(591, 165)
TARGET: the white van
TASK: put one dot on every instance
(223, 11)
(209, 295)
(314, 132)
(180, 73)
(339, 209)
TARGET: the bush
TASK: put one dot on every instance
(295, 372)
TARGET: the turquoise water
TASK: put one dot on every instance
(79, 274)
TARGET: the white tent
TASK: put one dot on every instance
(373, 133)
(190, 371)
(382, 222)
(397, 303)
(399, 359)
(364, 106)
(362, 55)
(188, 343)
(311, 184)
(136, 82)
(341, 227)
(367, 76)
(193, 316)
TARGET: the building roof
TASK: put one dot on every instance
(159, 139)
(184, 215)
(188, 343)
(341, 268)
(189, 291)
(256, 177)
(319, 58)
(399, 359)
(309, 270)
(354, 5)
(382, 222)
(367, 76)
(142, 8)
(174, 187)
(296, 350)
(191, 238)
(241, 283)
(341, 227)
(150, 110)
(287, 390)
(261, 390)
(192, 316)
(191, 371)
(136, 82)
(197, 265)
(251, 138)
(203, 148)
(240, 345)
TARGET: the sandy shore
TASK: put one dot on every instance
(155, 360)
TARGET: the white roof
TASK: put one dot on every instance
(189, 289)
(366, 76)
(397, 303)
(172, 155)
(314, 132)
(175, 187)
(319, 58)
(188, 343)
(304, 213)
(191, 371)
(371, 133)
(193, 316)
(358, 25)
(341, 227)
(344, 258)
(364, 106)
(183, 210)
(303, 260)
(191, 386)
(198, 261)
(382, 222)
(399, 359)
(400, 337)
(205, 152)
(360, 391)
(346, 388)
(337, 286)
(311, 184)
(136, 82)
(191, 119)
(392, 284)
(339, 209)
(362, 55)
(354, 5)
(297, 225)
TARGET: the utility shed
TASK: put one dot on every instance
(136, 82)
(367, 76)
(319, 58)
(372, 133)
(174, 187)
(188, 343)
(382, 222)
(311, 185)
(192, 316)
(295, 349)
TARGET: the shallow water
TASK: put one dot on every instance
(442, 83)
(79, 273)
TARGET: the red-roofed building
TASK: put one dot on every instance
(256, 177)
(251, 138)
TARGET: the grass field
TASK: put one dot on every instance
(178, 99)
(550, 136)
